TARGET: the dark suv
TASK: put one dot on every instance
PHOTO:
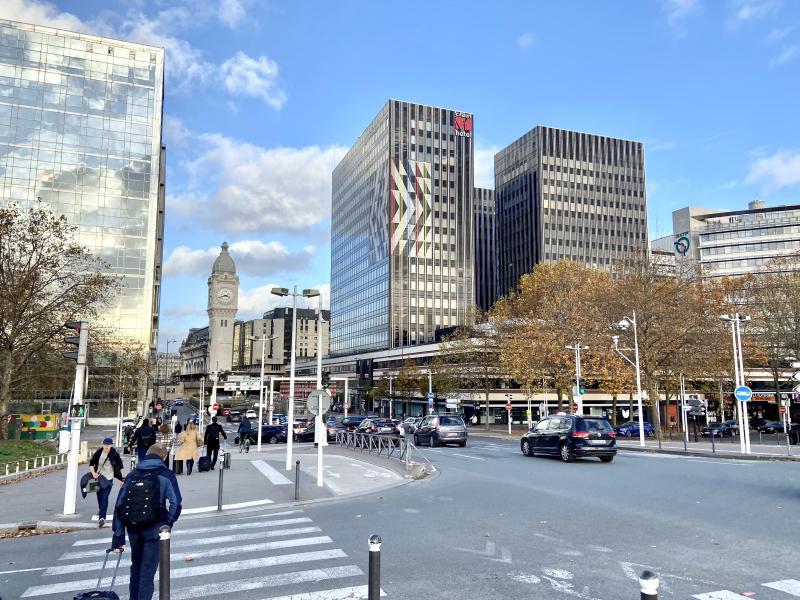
(571, 436)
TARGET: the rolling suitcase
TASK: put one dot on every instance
(108, 594)
(204, 464)
(177, 466)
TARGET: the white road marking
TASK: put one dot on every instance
(232, 527)
(22, 570)
(275, 477)
(180, 557)
(467, 456)
(720, 462)
(358, 592)
(205, 509)
(720, 595)
(213, 590)
(790, 586)
(205, 541)
(207, 569)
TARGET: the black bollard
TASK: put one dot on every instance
(297, 481)
(219, 489)
(163, 562)
(648, 581)
(374, 582)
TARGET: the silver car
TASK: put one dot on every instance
(435, 430)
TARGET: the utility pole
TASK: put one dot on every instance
(77, 410)
(578, 393)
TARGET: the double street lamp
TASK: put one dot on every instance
(263, 341)
(624, 324)
(738, 373)
(578, 393)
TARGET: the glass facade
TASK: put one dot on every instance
(567, 195)
(402, 232)
(485, 248)
(80, 129)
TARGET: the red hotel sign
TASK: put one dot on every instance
(463, 124)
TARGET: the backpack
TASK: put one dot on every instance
(147, 438)
(141, 506)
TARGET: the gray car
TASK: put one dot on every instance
(436, 430)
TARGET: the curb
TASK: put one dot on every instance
(709, 454)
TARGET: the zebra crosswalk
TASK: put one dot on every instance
(283, 552)
(790, 586)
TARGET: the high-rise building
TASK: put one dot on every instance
(485, 248)
(567, 195)
(223, 304)
(401, 233)
(80, 130)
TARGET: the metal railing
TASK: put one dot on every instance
(19, 467)
(392, 447)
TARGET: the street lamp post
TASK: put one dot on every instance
(577, 348)
(261, 389)
(738, 374)
(624, 324)
(430, 391)
(391, 406)
(166, 368)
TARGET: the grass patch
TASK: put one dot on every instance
(12, 451)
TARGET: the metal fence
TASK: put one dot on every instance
(392, 447)
(19, 467)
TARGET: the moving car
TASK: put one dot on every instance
(233, 416)
(178, 402)
(307, 435)
(351, 422)
(251, 414)
(378, 426)
(271, 434)
(436, 430)
(571, 436)
(771, 427)
(631, 429)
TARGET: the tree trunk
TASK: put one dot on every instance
(5, 397)
(560, 399)
(614, 410)
(652, 393)
(630, 406)
(487, 409)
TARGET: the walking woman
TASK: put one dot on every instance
(189, 451)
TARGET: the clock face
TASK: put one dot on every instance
(225, 295)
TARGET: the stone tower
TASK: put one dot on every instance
(223, 299)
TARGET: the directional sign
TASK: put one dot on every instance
(743, 393)
(318, 399)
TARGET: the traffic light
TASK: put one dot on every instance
(326, 381)
(581, 386)
(80, 340)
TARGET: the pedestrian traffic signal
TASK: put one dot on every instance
(81, 328)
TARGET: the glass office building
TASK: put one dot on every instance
(80, 130)
(567, 195)
(402, 229)
(485, 248)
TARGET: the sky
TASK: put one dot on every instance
(263, 97)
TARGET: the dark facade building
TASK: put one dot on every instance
(485, 248)
(401, 231)
(567, 195)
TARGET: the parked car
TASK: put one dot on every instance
(771, 427)
(571, 436)
(378, 426)
(351, 422)
(251, 414)
(436, 430)
(409, 426)
(178, 402)
(278, 419)
(631, 429)
(308, 434)
(726, 428)
(224, 412)
(271, 434)
(757, 422)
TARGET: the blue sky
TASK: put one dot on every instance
(263, 97)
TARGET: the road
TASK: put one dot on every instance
(493, 524)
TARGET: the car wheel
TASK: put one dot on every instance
(628, 433)
(606, 459)
(462, 444)
(416, 440)
(432, 441)
(566, 453)
(273, 439)
(527, 448)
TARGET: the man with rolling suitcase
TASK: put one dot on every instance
(149, 499)
(213, 432)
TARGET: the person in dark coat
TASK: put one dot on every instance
(105, 466)
(211, 440)
(144, 437)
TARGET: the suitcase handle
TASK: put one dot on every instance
(116, 568)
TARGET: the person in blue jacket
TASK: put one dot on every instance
(142, 519)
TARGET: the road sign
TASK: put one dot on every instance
(796, 375)
(796, 365)
(782, 409)
(211, 411)
(77, 411)
(230, 386)
(430, 395)
(508, 406)
(743, 393)
(215, 406)
(318, 399)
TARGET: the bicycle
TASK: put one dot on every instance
(244, 443)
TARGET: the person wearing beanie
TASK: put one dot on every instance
(105, 466)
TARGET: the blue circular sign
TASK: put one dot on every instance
(430, 395)
(743, 393)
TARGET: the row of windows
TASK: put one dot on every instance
(758, 247)
(596, 173)
(761, 232)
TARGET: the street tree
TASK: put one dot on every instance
(46, 278)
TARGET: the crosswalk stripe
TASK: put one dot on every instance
(204, 541)
(356, 592)
(231, 527)
(207, 509)
(790, 586)
(720, 595)
(467, 456)
(208, 569)
(213, 590)
(275, 477)
(292, 543)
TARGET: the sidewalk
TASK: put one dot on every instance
(255, 480)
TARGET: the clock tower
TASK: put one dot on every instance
(223, 298)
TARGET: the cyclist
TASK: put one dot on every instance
(245, 429)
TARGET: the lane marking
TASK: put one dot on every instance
(358, 592)
(790, 586)
(720, 595)
(22, 570)
(204, 541)
(205, 509)
(231, 527)
(719, 462)
(208, 569)
(275, 477)
(467, 456)
(293, 543)
(213, 590)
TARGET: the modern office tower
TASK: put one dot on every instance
(485, 248)
(402, 234)
(567, 195)
(730, 243)
(80, 130)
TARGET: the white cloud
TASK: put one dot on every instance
(729, 185)
(251, 257)
(231, 12)
(677, 11)
(243, 75)
(42, 13)
(788, 54)
(526, 40)
(184, 310)
(781, 169)
(249, 188)
(661, 146)
(751, 10)
(778, 34)
(174, 131)
(256, 301)
(484, 166)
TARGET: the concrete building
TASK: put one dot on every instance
(730, 243)
(80, 129)
(194, 354)
(567, 195)
(223, 299)
(402, 229)
(485, 223)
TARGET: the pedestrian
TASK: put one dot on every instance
(167, 439)
(143, 437)
(211, 440)
(178, 428)
(474, 420)
(189, 450)
(141, 518)
(105, 466)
